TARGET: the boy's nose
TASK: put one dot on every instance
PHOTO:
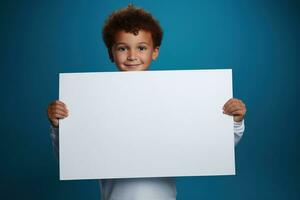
(131, 55)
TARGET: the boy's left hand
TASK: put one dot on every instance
(235, 108)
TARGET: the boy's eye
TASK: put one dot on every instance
(142, 48)
(121, 48)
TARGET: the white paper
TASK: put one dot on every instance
(146, 124)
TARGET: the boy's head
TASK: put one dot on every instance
(132, 37)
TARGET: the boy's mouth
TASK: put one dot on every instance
(132, 65)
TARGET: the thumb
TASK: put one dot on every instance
(55, 122)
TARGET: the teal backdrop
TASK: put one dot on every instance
(258, 39)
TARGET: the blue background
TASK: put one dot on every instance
(259, 39)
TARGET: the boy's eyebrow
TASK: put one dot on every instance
(118, 43)
(144, 43)
(123, 43)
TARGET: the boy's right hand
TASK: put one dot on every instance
(57, 110)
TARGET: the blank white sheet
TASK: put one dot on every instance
(146, 124)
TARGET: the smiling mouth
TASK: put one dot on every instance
(132, 65)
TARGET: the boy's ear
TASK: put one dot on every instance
(155, 53)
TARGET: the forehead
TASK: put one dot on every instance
(130, 38)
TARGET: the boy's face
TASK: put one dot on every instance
(134, 52)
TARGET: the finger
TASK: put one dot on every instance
(227, 102)
(230, 102)
(233, 108)
(58, 103)
(58, 116)
(233, 104)
(238, 113)
(52, 113)
(60, 107)
(58, 113)
(231, 113)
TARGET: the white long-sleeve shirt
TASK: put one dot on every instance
(140, 188)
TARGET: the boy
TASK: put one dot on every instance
(133, 37)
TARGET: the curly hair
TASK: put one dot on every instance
(130, 19)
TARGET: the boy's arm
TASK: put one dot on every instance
(54, 135)
(239, 128)
(236, 108)
(56, 110)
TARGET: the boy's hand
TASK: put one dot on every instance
(235, 108)
(56, 110)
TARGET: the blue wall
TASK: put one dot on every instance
(259, 39)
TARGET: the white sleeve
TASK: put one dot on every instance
(239, 128)
(54, 135)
